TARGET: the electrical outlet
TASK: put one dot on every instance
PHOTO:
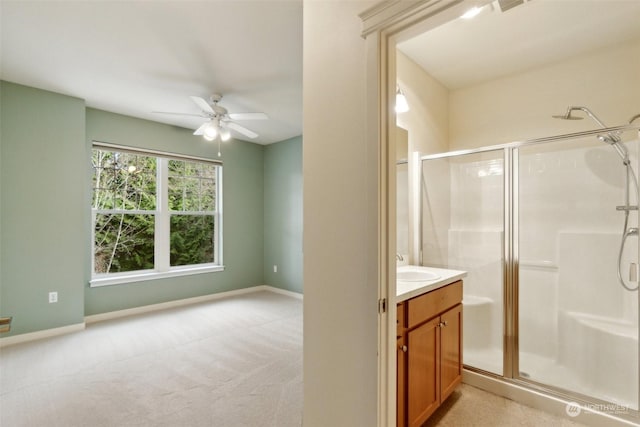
(53, 297)
(275, 268)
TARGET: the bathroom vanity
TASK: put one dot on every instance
(429, 338)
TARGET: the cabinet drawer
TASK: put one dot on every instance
(402, 321)
(424, 307)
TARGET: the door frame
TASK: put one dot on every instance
(384, 25)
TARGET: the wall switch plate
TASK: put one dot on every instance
(275, 268)
(53, 297)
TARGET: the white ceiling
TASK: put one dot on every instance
(135, 57)
(495, 44)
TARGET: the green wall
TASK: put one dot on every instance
(45, 148)
(283, 214)
(243, 205)
(45, 173)
(43, 219)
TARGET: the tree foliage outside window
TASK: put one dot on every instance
(191, 202)
(141, 202)
(124, 205)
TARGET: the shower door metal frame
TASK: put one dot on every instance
(510, 267)
(509, 292)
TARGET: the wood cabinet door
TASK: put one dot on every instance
(401, 381)
(423, 377)
(451, 350)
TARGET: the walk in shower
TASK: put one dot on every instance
(544, 227)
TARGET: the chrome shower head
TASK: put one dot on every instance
(609, 138)
(568, 116)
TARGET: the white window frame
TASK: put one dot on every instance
(162, 268)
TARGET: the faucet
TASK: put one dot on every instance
(399, 257)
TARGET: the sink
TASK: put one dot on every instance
(416, 276)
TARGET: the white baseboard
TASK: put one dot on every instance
(291, 294)
(182, 302)
(542, 401)
(31, 336)
(38, 335)
(166, 305)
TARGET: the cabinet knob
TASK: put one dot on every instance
(404, 348)
(445, 323)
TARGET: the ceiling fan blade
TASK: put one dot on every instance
(248, 116)
(201, 129)
(204, 105)
(178, 114)
(241, 129)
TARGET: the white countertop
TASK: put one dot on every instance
(406, 290)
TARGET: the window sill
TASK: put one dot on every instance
(119, 279)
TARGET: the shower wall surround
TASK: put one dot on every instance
(578, 328)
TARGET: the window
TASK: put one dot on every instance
(153, 215)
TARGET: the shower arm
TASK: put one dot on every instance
(588, 113)
(613, 139)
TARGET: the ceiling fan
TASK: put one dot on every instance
(219, 121)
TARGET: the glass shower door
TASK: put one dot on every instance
(578, 327)
(463, 229)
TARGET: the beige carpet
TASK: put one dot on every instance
(472, 407)
(229, 363)
(233, 362)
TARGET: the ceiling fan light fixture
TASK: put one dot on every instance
(225, 135)
(211, 131)
(219, 121)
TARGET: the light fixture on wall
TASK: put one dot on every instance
(402, 106)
